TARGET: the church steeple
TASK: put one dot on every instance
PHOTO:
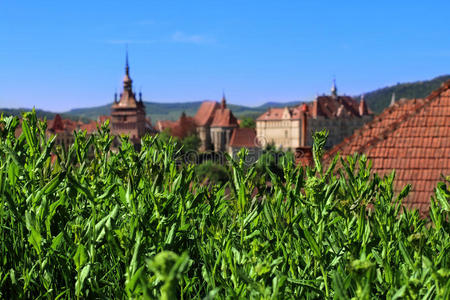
(127, 68)
(334, 88)
(223, 103)
(127, 82)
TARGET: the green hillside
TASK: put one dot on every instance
(379, 99)
(172, 111)
(42, 114)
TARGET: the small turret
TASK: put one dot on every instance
(392, 99)
(334, 89)
(223, 103)
(363, 107)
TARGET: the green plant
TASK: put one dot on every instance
(128, 224)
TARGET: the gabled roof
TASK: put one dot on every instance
(412, 137)
(223, 117)
(244, 137)
(278, 112)
(59, 124)
(329, 107)
(334, 107)
(205, 113)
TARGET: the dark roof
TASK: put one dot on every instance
(412, 137)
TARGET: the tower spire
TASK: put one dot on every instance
(224, 101)
(127, 82)
(127, 68)
(334, 88)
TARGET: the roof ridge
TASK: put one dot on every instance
(394, 126)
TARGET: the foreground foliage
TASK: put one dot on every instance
(130, 224)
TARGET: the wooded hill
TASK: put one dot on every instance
(377, 100)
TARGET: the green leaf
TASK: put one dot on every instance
(80, 258)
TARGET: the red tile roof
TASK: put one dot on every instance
(325, 106)
(412, 137)
(162, 125)
(244, 137)
(182, 128)
(205, 113)
(90, 127)
(223, 117)
(102, 119)
(278, 112)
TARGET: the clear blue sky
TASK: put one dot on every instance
(58, 55)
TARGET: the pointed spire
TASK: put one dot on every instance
(127, 67)
(127, 82)
(392, 99)
(334, 88)
(223, 103)
(115, 97)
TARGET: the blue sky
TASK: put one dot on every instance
(58, 55)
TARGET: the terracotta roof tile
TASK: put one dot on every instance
(223, 117)
(205, 113)
(413, 137)
(181, 128)
(323, 106)
(243, 137)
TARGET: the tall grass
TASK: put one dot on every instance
(127, 224)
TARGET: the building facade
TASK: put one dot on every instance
(340, 115)
(222, 127)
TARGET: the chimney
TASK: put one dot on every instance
(392, 99)
(315, 108)
(304, 125)
(363, 107)
(303, 154)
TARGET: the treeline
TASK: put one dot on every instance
(381, 98)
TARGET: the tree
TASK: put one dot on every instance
(191, 143)
(247, 122)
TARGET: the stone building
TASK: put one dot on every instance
(215, 124)
(340, 115)
(222, 127)
(128, 114)
(203, 119)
